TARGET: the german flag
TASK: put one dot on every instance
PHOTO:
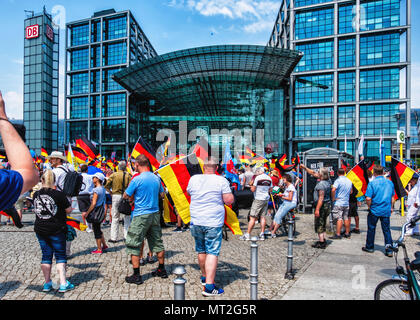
(282, 160)
(96, 163)
(358, 176)
(88, 147)
(245, 159)
(249, 152)
(400, 176)
(202, 149)
(79, 155)
(44, 153)
(168, 210)
(176, 177)
(142, 147)
(72, 222)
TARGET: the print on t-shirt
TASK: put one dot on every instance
(44, 212)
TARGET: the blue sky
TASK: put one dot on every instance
(169, 24)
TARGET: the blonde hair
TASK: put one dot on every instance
(325, 174)
(48, 179)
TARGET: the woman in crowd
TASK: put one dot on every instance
(289, 198)
(51, 208)
(98, 200)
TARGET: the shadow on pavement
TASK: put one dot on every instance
(8, 286)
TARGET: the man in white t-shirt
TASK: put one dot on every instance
(248, 177)
(209, 193)
(262, 187)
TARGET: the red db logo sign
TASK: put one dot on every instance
(32, 32)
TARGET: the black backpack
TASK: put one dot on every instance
(73, 183)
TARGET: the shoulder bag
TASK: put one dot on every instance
(124, 205)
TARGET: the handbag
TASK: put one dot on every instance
(124, 205)
(97, 215)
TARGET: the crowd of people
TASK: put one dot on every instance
(108, 197)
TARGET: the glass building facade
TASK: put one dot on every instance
(354, 77)
(40, 102)
(221, 92)
(96, 106)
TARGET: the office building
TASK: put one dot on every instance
(40, 102)
(355, 76)
(96, 106)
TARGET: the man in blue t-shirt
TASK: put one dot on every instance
(23, 175)
(379, 198)
(144, 191)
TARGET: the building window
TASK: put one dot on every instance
(79, 108)
(305, 146)
(350, 146)
(346, 18)
(377, 119)
(79, 35)
(95, 106)
(346, 53)
(108, 83)
(380, 84)
(379, 14)
(79, 59)
(380, 49)
(372, 149)
(115, 28)
(114, 53)
(95, 81)
(76, 130)
(314, 122)
(314, 89)
(79, 83)
(113, 131)
(346, 121)
(94, 130)
(95, 59)
(96, 31)
(314, 23)
(346, 86)
(317, 56)
(114, 105)
(302, 3)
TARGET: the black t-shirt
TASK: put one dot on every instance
(50, 212)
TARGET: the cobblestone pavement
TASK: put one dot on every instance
(102, 277)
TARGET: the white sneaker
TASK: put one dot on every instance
(262, 237)
(89, 230)
(245, 237)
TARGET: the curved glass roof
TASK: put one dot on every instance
(213, 80)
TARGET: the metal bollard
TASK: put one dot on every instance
(253, 277)
(179, 283)
(289, 273)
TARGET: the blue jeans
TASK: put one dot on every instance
(285, 207)
(53, 245)
(372, 221)
(207, 239)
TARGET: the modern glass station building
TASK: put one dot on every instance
(96, 106)
(225, 88)
(354, 78)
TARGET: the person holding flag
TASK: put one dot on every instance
(230, 172)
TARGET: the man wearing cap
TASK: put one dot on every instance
(413, 204)
(58, 160)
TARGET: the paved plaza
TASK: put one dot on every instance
(329, 271)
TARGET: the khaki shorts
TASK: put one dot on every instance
(144, 227)
(259, 208)
(321, 221)
(20, 204)
(340, 213)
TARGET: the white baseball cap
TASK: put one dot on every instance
(99, 176)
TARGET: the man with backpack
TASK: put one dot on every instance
(116, 184)
(57, 161)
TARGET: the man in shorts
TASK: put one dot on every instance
(209, 193)
(353, 206)
(262, 187)
(340, 194)
(144, 191)
(322, 203)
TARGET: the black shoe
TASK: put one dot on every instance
(177, 230)
(389, 254)
(368, 250)
(112, 241)
(160, 273)
(356, 231)
(336, 237)
(347, 236)
(135, 278)
(319, 245)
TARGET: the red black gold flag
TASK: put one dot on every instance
(142, 147)
(359, 177)
(168, 210)
(44, 153)
(72, 222)
(250, 152)
(176, 177)
(400, 176)
(88, 147)
(202, 149)
(79, 154)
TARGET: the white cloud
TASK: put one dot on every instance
(14, 104)
(256, 15)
